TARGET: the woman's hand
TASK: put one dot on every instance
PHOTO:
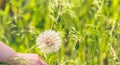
(34, 59)
(8, 55)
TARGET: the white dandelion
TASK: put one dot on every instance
(49, 41)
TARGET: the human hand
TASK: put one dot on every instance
(33, 58)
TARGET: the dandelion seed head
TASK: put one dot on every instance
(49, 41)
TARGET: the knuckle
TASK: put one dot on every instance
(35, 55)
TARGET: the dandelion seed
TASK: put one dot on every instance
(49, 41)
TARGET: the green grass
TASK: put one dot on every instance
(88, 29)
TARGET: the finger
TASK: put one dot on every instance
(42, 62)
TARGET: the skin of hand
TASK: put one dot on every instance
(33, 59)
(6, 53)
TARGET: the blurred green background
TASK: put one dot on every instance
(90, 29)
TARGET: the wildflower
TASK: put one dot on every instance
(49, 41)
